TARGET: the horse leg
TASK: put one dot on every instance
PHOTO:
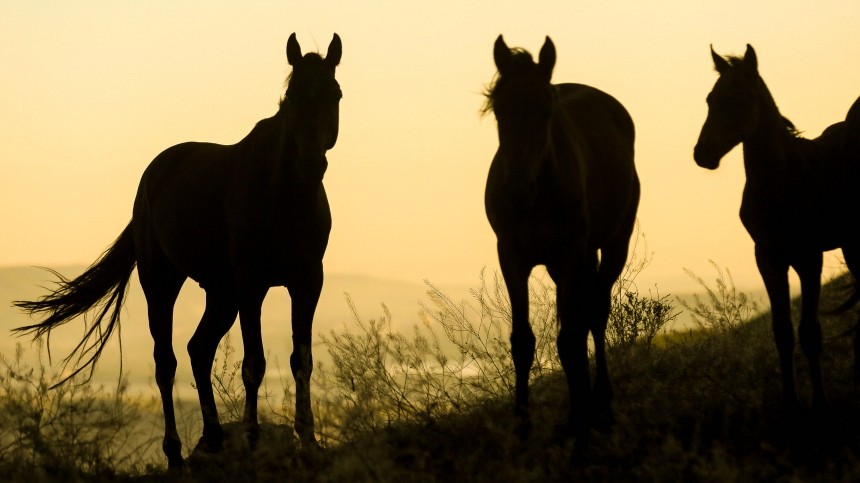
(516, 274)
(612, 260)
(774, 273)
(305, 294)
(161, 287)
(218, 317)
(254, 362)
(852, 261)
(573, 294)
(809, 330)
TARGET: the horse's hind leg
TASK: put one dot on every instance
(305, 294)
(774, 273)
(809, 331)
(254, 362)
(852, 260)
(218, 317)
(161, 285)
(612, 260)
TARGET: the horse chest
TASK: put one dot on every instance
(792, 220)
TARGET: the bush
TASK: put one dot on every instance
(460, 353)
(379, 376)
(632, 317)
(72, 430)
(726, 307)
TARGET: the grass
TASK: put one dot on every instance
(699, 405)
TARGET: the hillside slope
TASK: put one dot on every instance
(703, 406)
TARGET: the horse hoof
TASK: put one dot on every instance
(792, 408)
(253, 436)
(175, 463)
(603, 422)
(173, 450)
(579, 457)
(311, 445)
(821, 406)
(212, 440)
(523, 430)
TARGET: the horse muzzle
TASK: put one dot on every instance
(708, 156)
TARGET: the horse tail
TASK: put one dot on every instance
(101, 288)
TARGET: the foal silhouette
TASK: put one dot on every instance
(563, 192)
(238, 220)
(799, 200)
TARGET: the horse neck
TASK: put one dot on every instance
(271, 139)
(269, 155)
(765, 149)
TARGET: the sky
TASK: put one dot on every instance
(92, 91)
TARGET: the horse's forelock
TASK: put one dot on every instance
(309, 61)
(520, 61)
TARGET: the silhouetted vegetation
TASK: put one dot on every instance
(726, 307)
(436, 404)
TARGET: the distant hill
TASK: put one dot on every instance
(333, 313)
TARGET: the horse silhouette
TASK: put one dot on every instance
(236, 219)
(798, 201)
(562, 192)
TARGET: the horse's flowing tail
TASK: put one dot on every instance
(101, 288)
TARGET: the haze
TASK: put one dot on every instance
(90, 94)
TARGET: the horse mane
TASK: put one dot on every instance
(790, 128)
(521, 59)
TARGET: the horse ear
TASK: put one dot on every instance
(294, 52)
(546, 58)
(332, 57)
(501, 55)
(720, 64)
(750, 60)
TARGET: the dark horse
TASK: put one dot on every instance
(798, 201)
(236, 219)
(562, 192)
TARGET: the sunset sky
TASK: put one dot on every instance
(92, 91)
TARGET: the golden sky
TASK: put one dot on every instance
(92, 91)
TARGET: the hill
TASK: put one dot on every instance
(333, 313)
(695, 406)
(700, 406)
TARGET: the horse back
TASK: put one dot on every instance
(179, 208)
(598, 136)
(218, 212)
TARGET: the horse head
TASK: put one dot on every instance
(523, 100)
(311, 104)
(733, 108)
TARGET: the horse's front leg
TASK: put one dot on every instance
(574, 301)
(254, 362)
(305, 294)
(809, 330)
(774, 272)
(218, 317)
(516, 275)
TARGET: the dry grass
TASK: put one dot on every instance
(696, 406)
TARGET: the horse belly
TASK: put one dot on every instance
(280, 250)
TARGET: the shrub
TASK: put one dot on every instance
(632, 317)
(726, 306)
(74, 429)
(460, 353)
